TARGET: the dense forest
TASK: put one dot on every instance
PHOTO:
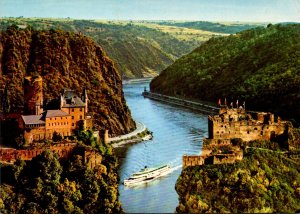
(265, 181)
(260, 66)
(48, 184)
(64, 60)
(139, 48)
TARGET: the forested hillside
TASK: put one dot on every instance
(49, 184)
(263, 182)
(138, 50)
(64, 60)
(260, 66)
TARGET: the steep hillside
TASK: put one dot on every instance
(138, 48)
(263, 182)
(64, 60)
(260, 66)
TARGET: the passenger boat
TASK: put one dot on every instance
(147, 174)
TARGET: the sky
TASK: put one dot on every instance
(206, 10)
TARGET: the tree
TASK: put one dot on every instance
(5, 102)
(56, 137)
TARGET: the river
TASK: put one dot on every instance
(176, 131)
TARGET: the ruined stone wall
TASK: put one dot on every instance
(227, 158)
(246, 130)
(92, 158)
(206, 158)
(195, 160)
(88, 123)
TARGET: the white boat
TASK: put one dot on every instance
(146, 175)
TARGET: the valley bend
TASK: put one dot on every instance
(149, 106)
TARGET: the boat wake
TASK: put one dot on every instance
(175, 168)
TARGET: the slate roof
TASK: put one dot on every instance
(55, 113)
(71, 99)
(33, 119)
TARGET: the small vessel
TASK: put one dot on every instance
(147, 174)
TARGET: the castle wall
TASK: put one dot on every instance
(227, 158)
(61, 125)
(88, 123)
(33, 95)
(11, 155)
(212, 159)
(194, 160)
(77, 116)
(92, 158)
(34, 134)
(246, 130)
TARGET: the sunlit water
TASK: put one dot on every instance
(177, 131)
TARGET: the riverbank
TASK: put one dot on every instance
(139, 134)
(141, 80)
(198, 106)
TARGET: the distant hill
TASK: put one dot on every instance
(260, 66)
(64, 60)
(229, 28)
(139, 48)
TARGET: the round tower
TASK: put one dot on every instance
(33, 95)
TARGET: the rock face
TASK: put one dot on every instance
(64, 60)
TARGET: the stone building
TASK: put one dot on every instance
(40, 124)
(238, 123)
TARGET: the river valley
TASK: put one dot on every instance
(176, 131)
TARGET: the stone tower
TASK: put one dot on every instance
(33, 95)
(85, 99)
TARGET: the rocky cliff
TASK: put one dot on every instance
(64, 60)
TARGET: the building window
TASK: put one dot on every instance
(61, 118)
(49, 124)
(248, 132)
(55, 118)
(72, 124)
(80, 117)
(261, 133)
(72, 117)
(72, 110)
(50, 118)
(80, 109)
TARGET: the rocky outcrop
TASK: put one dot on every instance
(64, 60)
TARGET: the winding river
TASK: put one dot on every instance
(177, 131)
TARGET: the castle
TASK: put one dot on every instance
(233, 123)
(246, 125)
(39, 124)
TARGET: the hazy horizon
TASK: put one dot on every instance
(156, 10)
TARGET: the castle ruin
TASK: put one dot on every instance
(233, 123)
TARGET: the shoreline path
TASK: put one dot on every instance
(140, 127)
